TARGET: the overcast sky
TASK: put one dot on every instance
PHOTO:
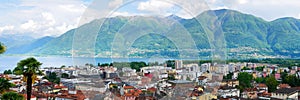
(39, 18)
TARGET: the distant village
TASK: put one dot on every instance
(192, 81)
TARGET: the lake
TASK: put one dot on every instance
(10, 62)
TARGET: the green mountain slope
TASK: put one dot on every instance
(244, 34)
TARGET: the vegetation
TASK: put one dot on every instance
(260, 68)
(2, 48)
(292, 80)
(228, 76)
(260, 80)
(52, 77)
(29, 68)
(240, 31)
(245, 80)
(64, 75)
(7, 72)
(272, 83)
(137, 65)
(171, 63)
(12, 96)
(5, 85)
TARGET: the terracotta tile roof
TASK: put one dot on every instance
(59, 87)
(152, 89)
(262, 85)
(250, 89)
(128, 87)
(25, 96)
(280, 86)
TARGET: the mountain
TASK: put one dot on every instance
(12, 40)
(139, 36)
(25, 48)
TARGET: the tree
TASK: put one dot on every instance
(29, 68)
(171, 63)
(63, 66)
(260, 80)
(2, 48)
(228, 76)
(64, 75)
(52, 77)
(272, 83)
(260, 69)
(292, 80)
(12, 96)
(5, 85)
(245, 80)
(188, 78)
(137, 65)
(7, 72)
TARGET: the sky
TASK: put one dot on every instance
(38, 18)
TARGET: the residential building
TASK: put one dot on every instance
(285, 93)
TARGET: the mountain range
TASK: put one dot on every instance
(245, 35)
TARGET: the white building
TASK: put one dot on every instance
(226, 91)
(286, 93)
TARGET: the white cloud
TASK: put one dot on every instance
(29, 25)
(42, 18)
(155, 6)
(267, 9)
(6, 28)
(115, 3)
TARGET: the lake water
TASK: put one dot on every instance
(10, 62)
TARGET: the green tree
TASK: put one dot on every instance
(283, 76)
(171, 63)
(5, 85)
(228, 76)
(29, 68)
(188, 78)
(7, 72)
(63, 66)
(137, 65)
(260, 68)
(272, 83)
(64, 75)
(245, 80)
(2, 48)
(292, 80)
(12, 96)
(52, 77)
(260, 80)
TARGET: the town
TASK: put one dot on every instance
(174, 79)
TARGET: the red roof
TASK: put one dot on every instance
(128, 87)
(149, 75)
(284, 86)
(25, 96)
(261, 85)
(59, 87)
(152, 89)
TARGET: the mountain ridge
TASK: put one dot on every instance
(244, 33)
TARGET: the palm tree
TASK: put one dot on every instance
(29, 68)
(12, 96)
(2, 48)
(4, 85)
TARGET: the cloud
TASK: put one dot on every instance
(267, 9)
(42, 18)
(155, 6)
(29, 25)
(115, 3)
(6, 28)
